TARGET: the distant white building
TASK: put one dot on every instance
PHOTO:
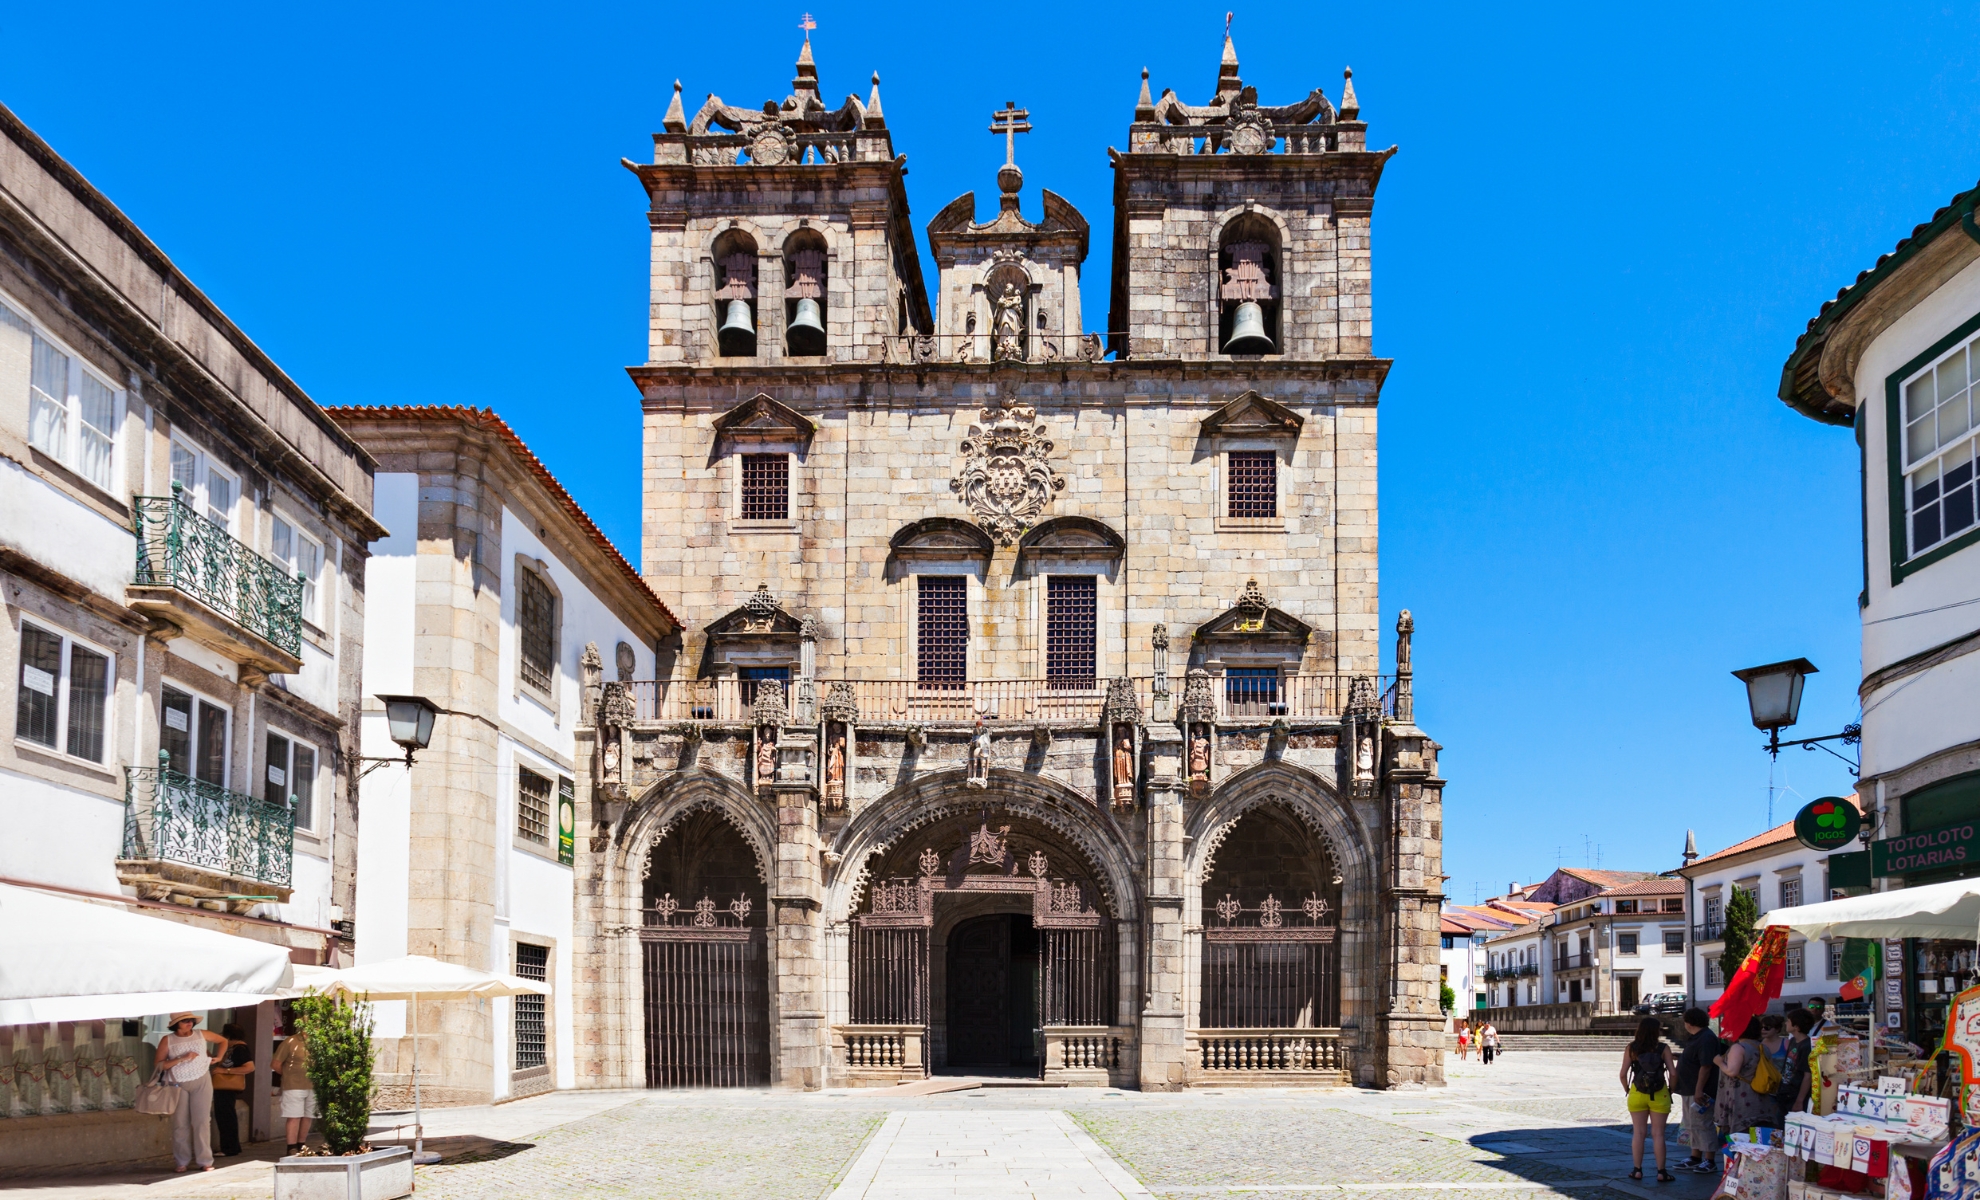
(498, 600)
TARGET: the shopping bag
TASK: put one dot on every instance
(161, 1097)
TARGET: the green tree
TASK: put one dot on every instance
(1446, 998)
(1741, 913)
(339, 1034)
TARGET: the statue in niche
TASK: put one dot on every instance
(979, 757)
(1364, 757)
(1007, 326)
(1199, 755)
(766, 757)
(835, 769)
(1123, 767)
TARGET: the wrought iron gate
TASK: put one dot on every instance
(706, 988)
(889, 973)
(1262, 972)
(1078, 972)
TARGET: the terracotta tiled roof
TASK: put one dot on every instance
(1538, 906)
(486, 419)
(1649, 887)
(1453, 929)
(1779, 833)
(1607, 879)
(1800, 386)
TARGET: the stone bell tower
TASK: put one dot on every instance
(1241, 230)
(779, 233)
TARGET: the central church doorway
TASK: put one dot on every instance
(992, 984)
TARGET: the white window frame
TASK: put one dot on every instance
(1965, 440)
(69, 452)
(312, 593)
(288, 768)
(1794, 968)
(227, 742)
(62, 683)
(200, 489)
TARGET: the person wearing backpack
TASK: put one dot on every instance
(1647, 1068)
(1750, 1077)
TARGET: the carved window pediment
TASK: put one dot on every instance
(758, 617)
(1072, 537)
(1250, 415)
(763, 418)
(941, 539)
(1252, 620)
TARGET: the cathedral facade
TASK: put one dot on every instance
(1029, 714)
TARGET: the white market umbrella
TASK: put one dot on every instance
(410, 978)
(63, 959)
(1934, 910)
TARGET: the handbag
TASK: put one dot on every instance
(160, 1099)
(1766, 1076)
(229, 1083)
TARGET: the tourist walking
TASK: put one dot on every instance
(298, 1089)
(1695, 1086)
(1750, 1078)
(183, 1056)
(1488, 1043)
(230, 1085)
(1464, 1041)
(1647, 1069)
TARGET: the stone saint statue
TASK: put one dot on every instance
(1364, 759)
(1199, 755)
(766, 759)
(1123, 763)
(1007, 327)
(835, 769)
(979, 757)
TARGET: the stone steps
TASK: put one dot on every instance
(1608, 1043)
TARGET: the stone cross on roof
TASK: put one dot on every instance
(1010, 122)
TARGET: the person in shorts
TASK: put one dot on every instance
(1696, 1085)
(1647, 1068)
(298, 1089)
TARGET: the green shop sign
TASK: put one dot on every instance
(1828, 824)
(1927, 850)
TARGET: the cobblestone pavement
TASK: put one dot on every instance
(1532, 1125)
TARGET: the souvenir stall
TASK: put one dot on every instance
(1889, 1118)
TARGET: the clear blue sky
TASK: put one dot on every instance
(1602, 233)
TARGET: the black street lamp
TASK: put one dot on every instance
(410, 722)
(1773, 696)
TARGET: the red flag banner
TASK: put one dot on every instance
(1757, 982)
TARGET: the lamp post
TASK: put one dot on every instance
(409, 719)
(1773, 697)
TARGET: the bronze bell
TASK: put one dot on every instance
(806, 334)
(1248, 334)
(737, 336)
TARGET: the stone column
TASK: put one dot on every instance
(796, 932)
(1413, 1025)
(1162, 1012)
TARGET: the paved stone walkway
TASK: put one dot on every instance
(1035, 1155)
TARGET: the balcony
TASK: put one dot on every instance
(196, 843)
(1573, 962)
(1710, 931)
(1309, 698)
(195, 577)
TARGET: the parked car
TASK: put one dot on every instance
(1657, 1003)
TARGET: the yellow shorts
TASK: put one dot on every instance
(1659, 1103)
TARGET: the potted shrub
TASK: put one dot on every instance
(338, 1029)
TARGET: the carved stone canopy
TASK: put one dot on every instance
(763, 418)
(1072, 537)
(839, 704)
(941, 539)
(1251, 415)
(1121, 707)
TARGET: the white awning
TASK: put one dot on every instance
(417, 977)
(72, 960)
(1935, 910)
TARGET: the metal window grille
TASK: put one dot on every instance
(766, 487)
(1071, 630)
(532, 807)
(749, 677)
(942, 630)
(532, 962)
(1254, 483)
(536, 621)
(1252, 691)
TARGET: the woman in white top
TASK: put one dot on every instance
(184, 1059)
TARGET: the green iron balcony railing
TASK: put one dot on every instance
(179, 548)
(170, 817)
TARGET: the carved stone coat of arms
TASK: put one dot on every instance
(1005, 478)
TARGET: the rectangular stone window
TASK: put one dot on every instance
(1791, 892)
(1673, 941)
(193, 734)
(1713, 976)
(532, 807)
(62, 693)
(536, 627)
(1797, 969)
(1252, 691)
(532, 962)
(1625, 943)
(1939, 447)
(1071, 630)
(1253, 483)
(749, 677)
(766, 487)
(942, 630)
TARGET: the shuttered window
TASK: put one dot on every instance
(942, 630)
(1070, 630)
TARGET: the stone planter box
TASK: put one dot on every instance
(379, 1175)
